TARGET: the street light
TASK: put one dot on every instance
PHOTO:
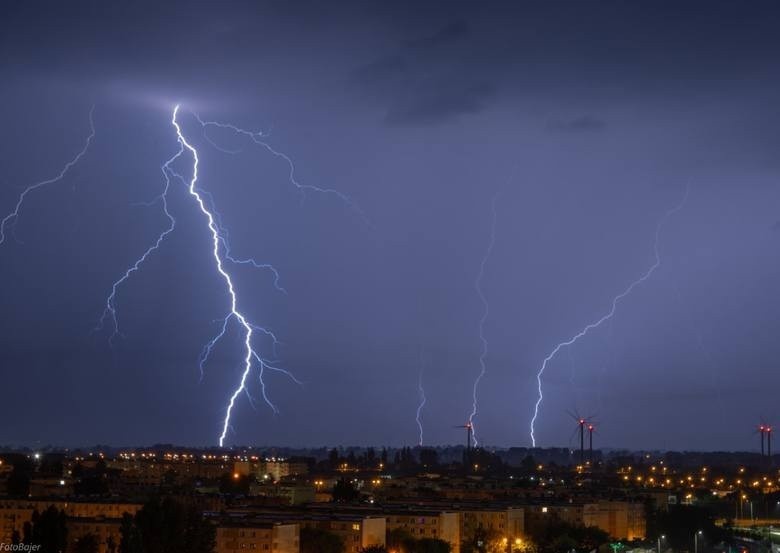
(661, 537)
(696, 541)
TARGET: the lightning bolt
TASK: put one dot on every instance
(222, 255)
(646, 275)
(483, 319)
(421, 395)
(248, 328)
(209, 346)
(224, 236)
(10, 219)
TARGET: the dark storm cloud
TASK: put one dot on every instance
(600, 52)
(407, 60)
(382, 70)
(585, 123)
(440, 104)
(421, 83)
(450, 33)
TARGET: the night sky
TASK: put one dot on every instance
(588, 118)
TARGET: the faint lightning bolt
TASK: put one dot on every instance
(609, 314)
(109, 313)
(485, 313)
(209, 346)
(10, 219)
(258, 137)
(421, 396)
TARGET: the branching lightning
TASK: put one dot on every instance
(608, 315)
(259, 138)
(224, 236)
(222, 255)
(10, 219)
(248, 328)
(485, 312)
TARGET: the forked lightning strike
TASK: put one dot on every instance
(222, 254)
(248, 328)
(219, 236)
(10, 219)
(483, 319)
(609, 314)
